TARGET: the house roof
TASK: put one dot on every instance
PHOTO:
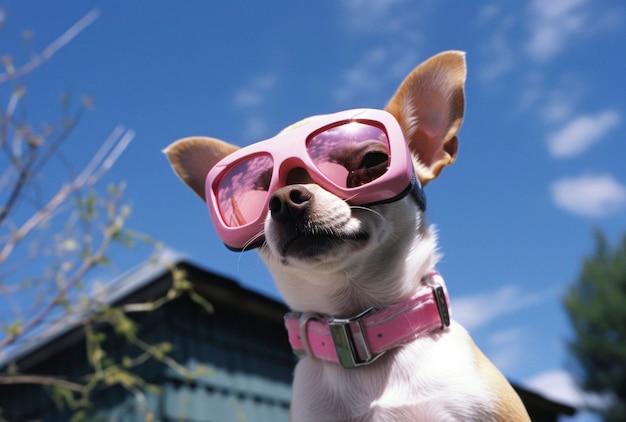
(136, 284)
(146, 281)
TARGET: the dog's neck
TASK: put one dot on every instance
(344, 290)
(363, 338)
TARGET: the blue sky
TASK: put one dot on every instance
(540, 159)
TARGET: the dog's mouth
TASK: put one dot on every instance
(303, 245)
(307, 223)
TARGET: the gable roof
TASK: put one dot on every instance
(144, 282)
(149, 280)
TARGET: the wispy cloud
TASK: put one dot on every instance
(590, 195)
(505, 348)
(251, 99)
(498, 48)
(255, 92)
(560, 386)
(373, 73)
(487, 13)
(390, 59)
(478, 310)
(548, 29)
(365, 16)
(557, 25)
(581, 133)
(553, 25)
(255, 128)
(560, 100)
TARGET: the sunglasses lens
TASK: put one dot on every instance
(243, 190)
(351, 154)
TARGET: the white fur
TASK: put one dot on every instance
(434, 378)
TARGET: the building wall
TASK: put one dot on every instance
(243, 370)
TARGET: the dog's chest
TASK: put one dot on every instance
(433, 378)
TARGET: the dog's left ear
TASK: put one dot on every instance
(429, 107)
(192, 158)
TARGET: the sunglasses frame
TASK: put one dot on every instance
(398, 180)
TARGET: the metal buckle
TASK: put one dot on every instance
(350, 343)
(442, 305)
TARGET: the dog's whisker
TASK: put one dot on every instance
(351, 197)
(361, 207)
(252, 241)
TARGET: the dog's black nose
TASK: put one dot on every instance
(289, 203)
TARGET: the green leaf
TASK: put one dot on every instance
(62, 397)
(80, 416)
(14, 328)
(200, 300)
(127, 362)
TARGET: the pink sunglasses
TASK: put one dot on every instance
(359, 155)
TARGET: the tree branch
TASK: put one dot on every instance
(42, 380)
(49, 51)
(85, 178)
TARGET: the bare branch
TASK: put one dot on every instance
(22, 179)
(83, 180)
(35, 159)
(41, 380)
(49, 51)
(119, 148)
(78, 275)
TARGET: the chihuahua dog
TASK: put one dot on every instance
(335, 206)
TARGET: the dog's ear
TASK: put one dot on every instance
(429, 107)
(192, 158)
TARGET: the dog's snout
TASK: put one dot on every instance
(289, 202)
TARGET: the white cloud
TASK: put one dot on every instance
(477, 310)
(556, 25)
(377, 73)
(488, 13)
(505, 348)
(255, 92)
(552, 26)
(589, 195)
(548, 28)
(504, 337)
(366, 75)
(559, 385)
(255, 129)
(393, 53)
(499, 52)
(532, 92)
(373, 16)
(581, 133)
(561, 100)
(251, 98)
(502, 58)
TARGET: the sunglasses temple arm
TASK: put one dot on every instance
(417, 192)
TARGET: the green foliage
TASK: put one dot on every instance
(596, 305)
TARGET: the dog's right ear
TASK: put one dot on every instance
(192, 158)
(429, 107)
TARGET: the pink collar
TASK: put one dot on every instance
(360, 340)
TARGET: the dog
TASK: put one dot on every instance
(335, 206)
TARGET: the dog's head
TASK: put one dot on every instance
(316, 241)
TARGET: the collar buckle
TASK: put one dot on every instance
(350, 342)
(442, 305)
